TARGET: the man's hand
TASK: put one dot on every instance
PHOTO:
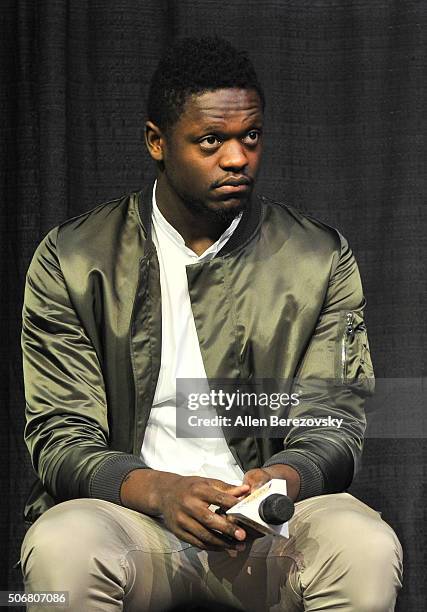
(259, 476)
(256, 478)
(184, 503)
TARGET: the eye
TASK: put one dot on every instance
(252, 138)
(209, 142)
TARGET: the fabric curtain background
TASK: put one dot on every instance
(345, 139)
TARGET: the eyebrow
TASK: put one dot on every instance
(217, 126)
(257, 124)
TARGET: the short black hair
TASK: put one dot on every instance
(194, 66)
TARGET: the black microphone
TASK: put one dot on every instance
(276, 509)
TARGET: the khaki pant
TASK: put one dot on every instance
(340, 556)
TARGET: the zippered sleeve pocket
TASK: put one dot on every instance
(353, 359)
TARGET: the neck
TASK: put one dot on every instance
(198, 230)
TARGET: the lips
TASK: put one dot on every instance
(235, 182)
(234, 186)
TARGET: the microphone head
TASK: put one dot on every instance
(276, 509)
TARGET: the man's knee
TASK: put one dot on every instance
(374, 555)
(361, 539)
(66, 536)
(352, 554)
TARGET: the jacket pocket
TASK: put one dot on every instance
(353, 359)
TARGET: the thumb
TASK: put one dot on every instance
(256, 478)
(232, 489)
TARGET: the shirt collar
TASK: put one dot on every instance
(175, 236)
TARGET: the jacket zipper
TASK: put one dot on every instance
(132, 359)
(349, 331)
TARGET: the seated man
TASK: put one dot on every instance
(196, 278)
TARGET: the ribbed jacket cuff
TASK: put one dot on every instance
(312, 482)
(108, 477)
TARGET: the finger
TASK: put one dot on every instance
(217, 497)
(256, 478)
(233, 489)
(212, 520)
(231, 519)
(239, 490)
(190, 531)
(235, 521)
(188, 537)
(185, 535)
(208, 538)
(253, 534)
(203, 494)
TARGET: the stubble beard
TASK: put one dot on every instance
(225, 215)
(202, 209)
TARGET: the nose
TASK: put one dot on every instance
(233, 156)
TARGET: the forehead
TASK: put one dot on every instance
(221, 107)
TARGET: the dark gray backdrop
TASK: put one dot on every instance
(345, 84)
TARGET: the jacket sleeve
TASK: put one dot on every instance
(66, 430)
(333, 380)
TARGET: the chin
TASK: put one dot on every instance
(228, 209)
(224, 210)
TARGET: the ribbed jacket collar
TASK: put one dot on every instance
(247, 227)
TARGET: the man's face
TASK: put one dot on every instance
(211, 155)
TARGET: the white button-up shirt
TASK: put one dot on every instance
(181, 358)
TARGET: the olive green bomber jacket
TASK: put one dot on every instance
(282, 299)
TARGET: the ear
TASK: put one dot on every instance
(154, 140)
